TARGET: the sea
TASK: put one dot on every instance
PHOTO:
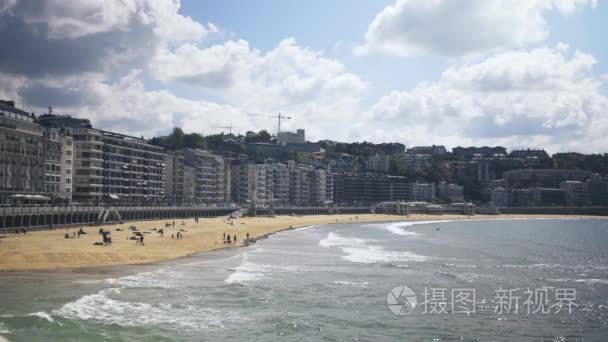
(472, 280)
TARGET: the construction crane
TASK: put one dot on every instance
(280, 116)
(229, 128)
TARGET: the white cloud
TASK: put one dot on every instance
(455, 28)
(289, 78)
(543, 97)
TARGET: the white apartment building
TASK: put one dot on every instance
(450, 192)
(211, 176)
(58, 154)
(285, 138)
(189, 184)
(423, 191)
(577, 192)
(415, 161)
(174, 176)
(501, 197)
(377, 163)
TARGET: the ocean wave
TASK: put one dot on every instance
(584, 281)
(4, 330)
(350, 283)
(102, 308)
(360, 251)
(155, 279)
(333, 240)
(43, 315)
(246, 271)
(250, 271)
(398, 227)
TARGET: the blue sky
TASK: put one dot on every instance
(517, 73)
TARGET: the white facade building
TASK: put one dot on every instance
(450, 192)
(377, 163)
(285, 138)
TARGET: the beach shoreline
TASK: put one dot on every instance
(49, 249)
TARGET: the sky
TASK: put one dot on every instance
(515, 73)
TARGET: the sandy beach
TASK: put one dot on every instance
(50, 249)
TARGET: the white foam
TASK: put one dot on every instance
(398, 227)
(144, 280)
(585, 281)
(101, 308)
(4, 330)
(376, 254)
(349, 283)
(43, 315)
(360, 251)
(246, 271)
(333, 240)
(249, 271)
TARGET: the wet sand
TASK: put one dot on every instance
(50, 249)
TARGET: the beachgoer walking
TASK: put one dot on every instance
(228, 240)
(141, 239)
(247, 235)
(234, 238)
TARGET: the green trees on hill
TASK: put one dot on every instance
(178, 139)
(597, 163)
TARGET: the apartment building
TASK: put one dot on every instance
(577, 192)
(211, 176)
(284, 138)
(58, 165)
(110, 166)
(451, 192)
(280, 179)
(423, 191)
(21, 153)
(378, 163)
(189, 184)
(174, 176)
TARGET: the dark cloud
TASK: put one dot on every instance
(40, 95)
(31, 49)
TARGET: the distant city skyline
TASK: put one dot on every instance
(512, 73)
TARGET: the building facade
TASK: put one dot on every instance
(284, 138)
(451, 192)
(577, 193)
(58, 163)
(433, 150)
(377, 163)
(211, 176)
(174, 176)
(22, 170)
(111, 167)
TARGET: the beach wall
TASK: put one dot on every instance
(595, 211)
(33, 218)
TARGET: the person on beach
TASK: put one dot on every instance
(173, 223)
(171, 236)
(228, 240)
(224, 237)
(141, 239)
(247, 235)
(234, 238)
